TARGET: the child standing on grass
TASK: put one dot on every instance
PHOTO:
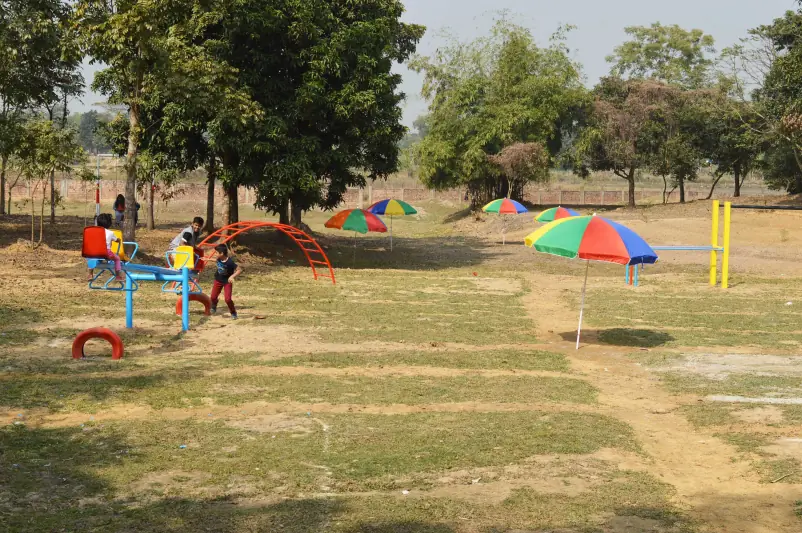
(227, 271)
(104, 221)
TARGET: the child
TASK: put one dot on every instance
(104, 221)
(119, 210)
(227, 270)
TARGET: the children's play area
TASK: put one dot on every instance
(407, 368)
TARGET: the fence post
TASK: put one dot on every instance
(561, 197)
(359, 203)
(582, 199)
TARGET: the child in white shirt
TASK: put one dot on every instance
(104, 221)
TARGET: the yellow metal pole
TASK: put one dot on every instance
(714, 244)
(725, 260)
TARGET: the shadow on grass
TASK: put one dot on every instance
(54, 391)
(373, 252)
(627, 337)
(58, 480)
(402, 527)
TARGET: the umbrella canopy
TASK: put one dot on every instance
(555, 213)
(592, 238)
(504, 206)
(392, 208)
(357, 220)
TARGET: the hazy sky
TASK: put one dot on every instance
(600, 27)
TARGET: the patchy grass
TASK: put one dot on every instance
(749, 385)
(395, 306)
(475, 359)
(109, 467)
(708, 414)
(693, 315)
(189, 388)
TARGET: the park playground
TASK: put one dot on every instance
(433, 389)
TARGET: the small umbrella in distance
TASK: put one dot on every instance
(504, 206)
(392, 208)
(555, 213)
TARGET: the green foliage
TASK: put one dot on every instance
(667, 53)
(489, 94)
(330, 102)
(90, 132)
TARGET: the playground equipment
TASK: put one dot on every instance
(97, 333)
(317, 258)
(94, 250)
(193, 297)
(632, 271)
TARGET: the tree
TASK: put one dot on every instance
(734, 141)
(778, 101)
(491, 94)
(151, 48)
(45, 149)
(666, 53)
(619, 135)
(330, 102)
(29, 57)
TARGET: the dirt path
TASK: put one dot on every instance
(721, 493)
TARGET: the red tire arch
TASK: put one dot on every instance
(202, 298)
(97, 333)
(317, 258)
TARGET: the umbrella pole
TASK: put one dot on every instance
(503, 230)
(391, 233)
(582, 305)
(353, 262)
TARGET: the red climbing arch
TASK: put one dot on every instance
(318, 260)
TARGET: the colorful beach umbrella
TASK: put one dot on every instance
(591, 238)
(555, 213)
(358, 221)
(504, 206)
(392, 208)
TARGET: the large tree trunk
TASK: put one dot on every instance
(296, 214)
(284, 212)
(737, 192)
(681, 182)
(211, 177)
(232, 200)
(129, 224)
(151, 196)
(631, 182)
(3, 165)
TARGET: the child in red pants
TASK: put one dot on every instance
(227, 270)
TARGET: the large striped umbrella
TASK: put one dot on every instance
(392, 208)
(594, 239)
(504, 206)
(555, 213)
(358, 221)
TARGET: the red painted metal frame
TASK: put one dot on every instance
(318, 260)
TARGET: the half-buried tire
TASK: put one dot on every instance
(202, 298)
(97, 333)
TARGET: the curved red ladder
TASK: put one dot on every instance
(314, 253)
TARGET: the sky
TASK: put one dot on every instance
(600, 28)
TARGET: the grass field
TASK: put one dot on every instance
(434, 389)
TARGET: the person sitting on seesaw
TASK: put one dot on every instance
(189, 236)
(227, 270)
(104, 221)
